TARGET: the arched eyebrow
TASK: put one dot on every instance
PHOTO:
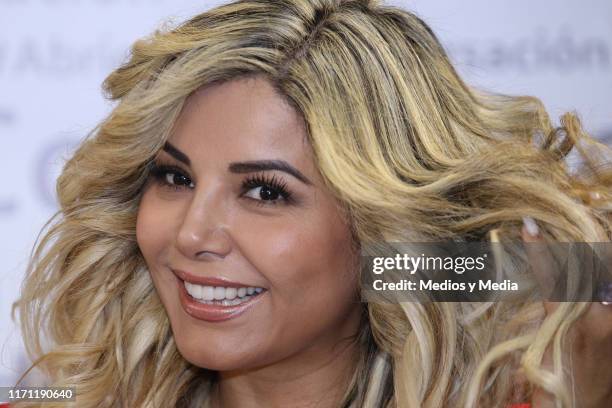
(176, 153)
(263, 165)
(245, 167)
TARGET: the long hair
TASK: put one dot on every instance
(403, 143)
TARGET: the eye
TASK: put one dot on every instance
(171, 176)
(266, 190)
(264, 193)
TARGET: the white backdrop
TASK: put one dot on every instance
(54, 55)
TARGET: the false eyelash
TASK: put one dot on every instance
(262, 180)
(159, 172)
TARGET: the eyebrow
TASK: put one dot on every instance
(263, 165)
(245, 167)
(176, 153)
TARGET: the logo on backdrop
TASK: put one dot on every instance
(60, 57)
(543, 50)
(47, 167)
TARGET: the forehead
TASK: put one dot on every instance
(241, 119)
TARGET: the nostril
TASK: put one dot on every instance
(209, 254)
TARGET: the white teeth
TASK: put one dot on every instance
(197, 291)
(231, 293)
(225, 302)
(208, 292)
(219, 293)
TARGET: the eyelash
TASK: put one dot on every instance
(263, 180)
(159, 172)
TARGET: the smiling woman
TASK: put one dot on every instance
(246, 211)
(207, 248)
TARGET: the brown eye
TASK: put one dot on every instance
(178, 179)
(265, 193)
(171, 176)
(266, 190)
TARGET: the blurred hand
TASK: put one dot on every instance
(590, 336)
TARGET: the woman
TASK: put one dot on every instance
(207, 246)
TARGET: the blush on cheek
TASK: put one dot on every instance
(151, 225)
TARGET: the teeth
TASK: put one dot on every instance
(219, 293)
(228, 296)
(231, 293)
(225, 302)
(208, 292)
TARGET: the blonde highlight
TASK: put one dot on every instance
(405, 145)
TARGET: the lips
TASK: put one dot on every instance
(205, 281)
(212, 312)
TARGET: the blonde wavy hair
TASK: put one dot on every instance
(405, 145)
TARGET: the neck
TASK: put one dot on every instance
(316, 377)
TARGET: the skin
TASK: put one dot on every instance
(590, 339)
(295, 344)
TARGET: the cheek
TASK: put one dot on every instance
(152, 235)
(313, 299)
(154, 231)
(307, 260)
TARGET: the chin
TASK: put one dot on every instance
(225, 358)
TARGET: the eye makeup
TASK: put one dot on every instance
(170, 176)
(260, 188)
(270, 187)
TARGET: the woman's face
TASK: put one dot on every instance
(236, 214)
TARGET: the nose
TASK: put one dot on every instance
(203, 232)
